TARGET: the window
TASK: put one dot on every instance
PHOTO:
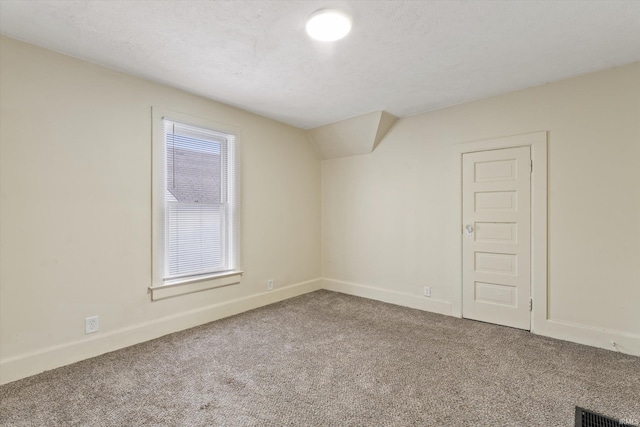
(195, 205)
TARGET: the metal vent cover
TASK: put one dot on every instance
(585, 418)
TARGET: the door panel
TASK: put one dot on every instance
(495, 170)
(496, 210)
(496, 294)
(496, 232)
(487, 262)
(489, 201)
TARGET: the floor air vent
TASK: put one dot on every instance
(586, 418)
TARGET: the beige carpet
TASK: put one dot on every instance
(327, 359)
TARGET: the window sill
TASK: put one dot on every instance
(188, 286)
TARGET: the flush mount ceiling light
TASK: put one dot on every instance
(328, 25)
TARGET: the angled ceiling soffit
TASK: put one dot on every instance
(352, 137)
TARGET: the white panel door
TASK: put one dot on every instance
(496, 242)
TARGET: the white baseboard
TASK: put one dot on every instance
(582, 334)
(25, 365)
(385, 295)
(625, 342)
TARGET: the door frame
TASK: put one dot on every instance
(537, 141)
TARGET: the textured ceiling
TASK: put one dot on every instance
(403, 57)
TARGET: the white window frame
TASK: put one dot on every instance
(162, 288)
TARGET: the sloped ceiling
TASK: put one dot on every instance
(352, 137)
(402, 57)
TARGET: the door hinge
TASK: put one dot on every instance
(531, 166)
(531, 305)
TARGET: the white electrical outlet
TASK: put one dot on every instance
(91, 324)
(270, 284)
(427, 291)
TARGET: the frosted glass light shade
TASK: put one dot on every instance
(328, 25)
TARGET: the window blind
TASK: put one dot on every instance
(200, 201)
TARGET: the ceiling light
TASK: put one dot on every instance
(328, 25)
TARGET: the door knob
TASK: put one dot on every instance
(469, 229)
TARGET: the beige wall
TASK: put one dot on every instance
(390, 219)
(76, 210)
(75, 219)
